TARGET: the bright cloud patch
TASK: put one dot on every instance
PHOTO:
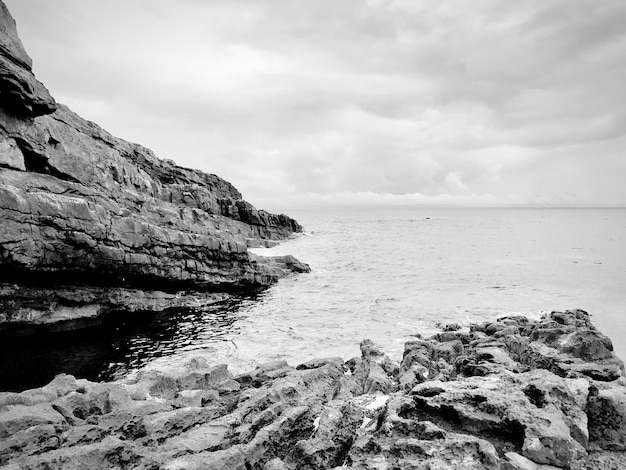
(384, 101)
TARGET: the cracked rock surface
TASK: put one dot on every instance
(460, 399)
(82, 208)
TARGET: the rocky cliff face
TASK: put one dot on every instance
(80, 207)
(510, 395)
(20, 92)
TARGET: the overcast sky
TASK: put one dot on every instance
(300, 102)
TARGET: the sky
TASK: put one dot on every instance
(397, 102)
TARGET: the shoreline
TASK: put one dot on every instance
(513, 393)
(120, 346)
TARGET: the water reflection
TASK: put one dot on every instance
(119, 346)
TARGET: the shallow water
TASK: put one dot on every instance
(384, 274)
(388, 274)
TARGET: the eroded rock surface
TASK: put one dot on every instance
(20, 92)
(460, 399)
(80, 207)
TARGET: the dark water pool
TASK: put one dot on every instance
(114, 349)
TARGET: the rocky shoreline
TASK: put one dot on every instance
(92, 225)
(512, 394)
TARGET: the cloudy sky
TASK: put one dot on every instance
(300, 102)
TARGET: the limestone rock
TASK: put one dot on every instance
(606, 408)
(16, 418)
(72, 307)
(101, 224)
(489, 412)
(20, 91)
(85, 214)
(11, 156)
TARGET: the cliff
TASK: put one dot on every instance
(89, 221)
(514, 394)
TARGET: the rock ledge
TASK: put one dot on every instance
(514, 394)
(81, 210)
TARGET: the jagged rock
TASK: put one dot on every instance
(326, 413)
(264, 373)
(20, 91)
(11, 156)
(96, 204)
(196, 375)
(60, 386)
(606, 409)
(374, 371)
(88, 220)
(106, 219)
(549, 427)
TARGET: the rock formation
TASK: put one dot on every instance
(513, 395)
(81, 208)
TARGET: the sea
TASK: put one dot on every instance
(387, 274)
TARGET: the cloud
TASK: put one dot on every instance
(486, 102)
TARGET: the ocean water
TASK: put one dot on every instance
(386, 274)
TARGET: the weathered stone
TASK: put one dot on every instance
(264, 373)
(335, 432)
(374, 372)
(519, 462)
(451, 327)
(205, 437)
(606, 409)
(551, 345)
(10, 155)
(275, 464)
(511, 416)
(32, 440)
(15, 418)
(82, 208)
(83, 405)
(167, 424)
(205, 379)
(196, 375)
(493, 407)
(195, 398)
(20, 91)
(87, 434)
(315, 363)
(512, 393)
(104, 455)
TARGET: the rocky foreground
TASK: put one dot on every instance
(512, 394)
(91, 224)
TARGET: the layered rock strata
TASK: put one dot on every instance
(514, 394)
(80, 207)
